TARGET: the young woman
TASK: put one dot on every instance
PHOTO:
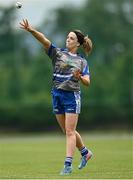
(69, 69)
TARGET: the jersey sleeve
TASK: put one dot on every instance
(51, 52)
(85, 69)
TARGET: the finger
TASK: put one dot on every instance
(27, 23)
(21, 24)
(22, 27)
(24, 21)
(78, 71)
(74, 72)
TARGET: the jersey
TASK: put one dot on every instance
(64, 64)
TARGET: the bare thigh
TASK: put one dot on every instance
(61, 120)
(71, 121)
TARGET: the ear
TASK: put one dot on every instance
(78, 44)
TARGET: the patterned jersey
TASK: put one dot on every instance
(64, 64)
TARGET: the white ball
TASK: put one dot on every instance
(18, 5)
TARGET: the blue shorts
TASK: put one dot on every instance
(66, 101)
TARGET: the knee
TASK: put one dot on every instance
(69, 132)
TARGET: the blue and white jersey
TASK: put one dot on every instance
(64, 64)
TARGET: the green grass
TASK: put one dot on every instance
(42, 157)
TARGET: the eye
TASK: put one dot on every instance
(71, 38)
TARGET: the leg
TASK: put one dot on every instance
(79, 141)
(79, 144)
(70, 125)
(67, 168)
(61, 120)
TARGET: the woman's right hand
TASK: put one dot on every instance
(38, 35)
(25, 25)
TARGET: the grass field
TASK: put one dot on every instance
(42, 157)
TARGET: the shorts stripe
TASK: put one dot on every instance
(78, 101)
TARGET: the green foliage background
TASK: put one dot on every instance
(26, 71)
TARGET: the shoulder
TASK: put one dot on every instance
(82, 58)
(63, 49)
(54, 49)
(58, 48)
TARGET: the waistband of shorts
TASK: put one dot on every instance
(62, 90)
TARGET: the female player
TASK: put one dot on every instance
(69, 68)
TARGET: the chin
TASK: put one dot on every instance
(67, 46)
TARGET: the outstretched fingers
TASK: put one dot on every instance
(27, 23)
(24, 24)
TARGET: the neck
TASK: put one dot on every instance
(73, 51)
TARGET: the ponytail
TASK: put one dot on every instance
(87, 45)
(84, 41)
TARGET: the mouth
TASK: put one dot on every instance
(67, 43)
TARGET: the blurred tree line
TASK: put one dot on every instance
(26, 71)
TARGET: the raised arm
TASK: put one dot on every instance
(38, 35)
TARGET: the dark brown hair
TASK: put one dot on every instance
(84, 41)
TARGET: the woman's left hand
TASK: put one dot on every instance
(77, 74)
(84, 79)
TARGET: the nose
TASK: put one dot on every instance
(68, 39)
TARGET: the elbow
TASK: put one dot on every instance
(85, 80)
(87, 83)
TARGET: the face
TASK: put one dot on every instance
(72, 41)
